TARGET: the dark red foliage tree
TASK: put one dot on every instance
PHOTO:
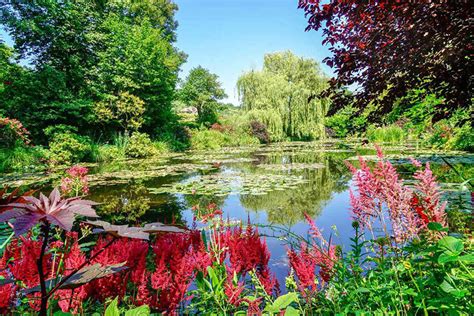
(386, 48)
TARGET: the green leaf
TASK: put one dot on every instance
(448, 288)
(282, 302)
(451, 245)
(112, 309)
(437, 227)
(362, 290)
(291, 311)
(445, 258)
(467, 258)
(143, 310)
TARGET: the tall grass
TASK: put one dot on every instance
(21, 158)
(386, 134)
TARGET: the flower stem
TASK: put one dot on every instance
(44, 295)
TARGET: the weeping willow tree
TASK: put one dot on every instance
(284, 95)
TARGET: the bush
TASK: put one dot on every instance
(139, 145)
(207, 139)
(161, 146)
(68, 148)
(108, 153)
(208, 116)
(463, 138)
(11, 132)
(259, 130)
(213, 139)
(389, 134)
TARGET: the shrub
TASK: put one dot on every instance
(11, 132)
(208, 115)
(240, 138)
(68, 148)
(105, 153)
(259, 130)
(161, 146)
(207, 139)
(463, 138)
(447, 137)
(139, 145)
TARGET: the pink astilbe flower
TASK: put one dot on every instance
(233, 291)
(24, 253)
(248, 252)
(430, 195)
(7, 295)
(319, 255)
(304, 266)
(382, 193)
(144, 295)
(254, 306)
(313, 229)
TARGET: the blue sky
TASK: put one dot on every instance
(229, 37)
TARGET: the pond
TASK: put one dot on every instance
(271, 186)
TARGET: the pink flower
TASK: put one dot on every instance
(381, 192)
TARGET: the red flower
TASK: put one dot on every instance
(133, 253)
(7, 295)
(248, 252)
(177, 259)
(71, 300)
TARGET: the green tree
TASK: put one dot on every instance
(138, 57)
(86, 52)
(203, 90)
(125, 110)
(284, 95)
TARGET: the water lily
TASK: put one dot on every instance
(52, 209)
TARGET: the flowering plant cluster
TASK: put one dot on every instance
(12, 130)
(384, 199)
(75, 182)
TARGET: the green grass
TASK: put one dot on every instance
(386, 134)
(21, 159)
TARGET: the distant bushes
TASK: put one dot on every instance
(386, 134)
(138, 145)
(16, 152)
(219, 137)
(68, 148)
